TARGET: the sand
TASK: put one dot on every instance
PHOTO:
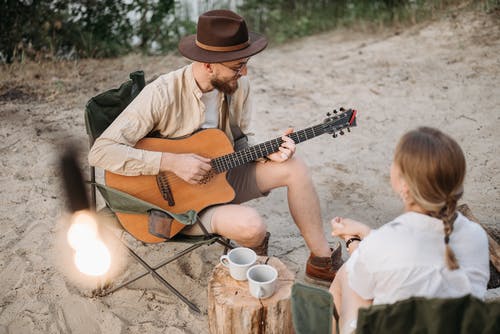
(444, 73)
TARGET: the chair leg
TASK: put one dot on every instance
(158, 277)
(226, 243)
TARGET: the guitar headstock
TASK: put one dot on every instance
(338, 120)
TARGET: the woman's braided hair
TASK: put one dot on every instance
(433, 166)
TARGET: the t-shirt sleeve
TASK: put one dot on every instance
(359, 276)
(471, 250)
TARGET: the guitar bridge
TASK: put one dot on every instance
(165, 190)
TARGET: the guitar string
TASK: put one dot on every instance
(232, 160)
(238, 158)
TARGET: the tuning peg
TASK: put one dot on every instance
(335, 111)
(341, 132)
(348, 129)
(328, 114)
(334, 135)
(342, 109)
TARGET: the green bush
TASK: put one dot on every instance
(107, 28)
(282, 20)
(87, 28)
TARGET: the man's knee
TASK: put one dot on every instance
(253, 228)
(297, 168)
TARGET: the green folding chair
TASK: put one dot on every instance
(312, 311)
(100, 112)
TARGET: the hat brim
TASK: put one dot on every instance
(189, 49)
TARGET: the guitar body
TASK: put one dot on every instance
(210, 143)
(214, 144)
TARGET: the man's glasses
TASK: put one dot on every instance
(237, 71)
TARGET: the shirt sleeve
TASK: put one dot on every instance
(471, 250)
(114, 149)
(359, 276)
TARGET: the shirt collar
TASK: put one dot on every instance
(192, 82)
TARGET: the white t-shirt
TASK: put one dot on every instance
(406, 258)
(211, 101)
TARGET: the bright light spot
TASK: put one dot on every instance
(93, 258)
(83, 229)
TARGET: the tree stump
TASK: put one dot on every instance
(232, 309)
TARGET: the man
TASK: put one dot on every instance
(213, 92)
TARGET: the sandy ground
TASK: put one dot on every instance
(444, 74)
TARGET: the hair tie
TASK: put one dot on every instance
(446, 239)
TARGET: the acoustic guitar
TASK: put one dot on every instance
(171, 193)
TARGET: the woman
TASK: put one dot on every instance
(431, 250)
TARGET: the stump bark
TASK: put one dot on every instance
(231, 308)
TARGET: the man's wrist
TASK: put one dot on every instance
(166, 162)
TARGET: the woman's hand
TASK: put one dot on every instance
(346, 228)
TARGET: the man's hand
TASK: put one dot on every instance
(190, 167)
(286, 150)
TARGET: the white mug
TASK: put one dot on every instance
(238, 260)
(262, 280)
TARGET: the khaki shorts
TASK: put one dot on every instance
(244, 182)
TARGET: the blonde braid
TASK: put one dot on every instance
(448, 215)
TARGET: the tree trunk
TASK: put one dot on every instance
(232, 309)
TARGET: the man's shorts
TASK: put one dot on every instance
(244, 182)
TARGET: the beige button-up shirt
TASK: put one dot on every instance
(170, 105)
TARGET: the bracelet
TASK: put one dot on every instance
(350, 240)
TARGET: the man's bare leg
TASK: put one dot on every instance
(303, 200)
(239, 223)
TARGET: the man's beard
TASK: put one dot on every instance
(227, 87)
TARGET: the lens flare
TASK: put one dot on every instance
(83, 228)
(93, 258)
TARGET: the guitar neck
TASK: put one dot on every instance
(239, 158)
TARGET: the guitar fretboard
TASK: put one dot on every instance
(239, 158)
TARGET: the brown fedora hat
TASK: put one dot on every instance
(221, 36)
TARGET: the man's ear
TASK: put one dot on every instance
(208, 67)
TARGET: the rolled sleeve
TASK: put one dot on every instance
(114, 149)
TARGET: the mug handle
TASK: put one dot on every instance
(224, 259)
(260, 292)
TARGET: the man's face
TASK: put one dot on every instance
(227, 75)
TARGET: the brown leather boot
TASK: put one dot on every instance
(322, 270)
(261, 250)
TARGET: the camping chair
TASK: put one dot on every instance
(313, 307)
(312, 311)
(100, 112)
